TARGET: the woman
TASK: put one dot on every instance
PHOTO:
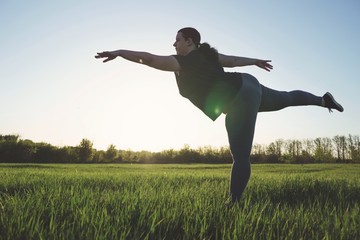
(201, 78)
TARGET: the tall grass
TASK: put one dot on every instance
(178, 202)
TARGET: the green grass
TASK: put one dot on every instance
(178, 202)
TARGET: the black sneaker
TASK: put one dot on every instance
(330, 103)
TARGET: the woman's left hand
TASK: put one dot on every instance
(264, 64)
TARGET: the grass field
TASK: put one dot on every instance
(178, 202)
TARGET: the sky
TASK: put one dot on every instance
(53, 89)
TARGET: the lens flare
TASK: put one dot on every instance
(218, 98)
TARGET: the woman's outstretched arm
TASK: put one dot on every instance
(165, 63)
(235, 61)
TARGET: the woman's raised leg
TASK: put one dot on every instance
(272, 100)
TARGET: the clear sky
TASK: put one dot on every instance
(54, 90)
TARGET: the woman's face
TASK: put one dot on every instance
(182, 46)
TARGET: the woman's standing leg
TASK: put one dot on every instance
(240, 126)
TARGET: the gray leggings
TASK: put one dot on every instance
(241, 118)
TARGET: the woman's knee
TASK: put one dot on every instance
(242, 163)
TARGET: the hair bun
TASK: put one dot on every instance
(208, 51)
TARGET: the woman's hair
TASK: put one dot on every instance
(208, 51)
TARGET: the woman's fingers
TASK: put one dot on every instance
(103, 55)
(106, 55)
(109, 59)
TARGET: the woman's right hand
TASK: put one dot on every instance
(108, 55)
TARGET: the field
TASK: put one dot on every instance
(44, 201)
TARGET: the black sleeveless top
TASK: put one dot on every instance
(205, 83)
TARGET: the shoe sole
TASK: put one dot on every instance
(338, 105)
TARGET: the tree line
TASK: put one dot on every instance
(342, 149)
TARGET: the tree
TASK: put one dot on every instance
(337, 143)
(323, 150)
(353, 143)
(24, 151)
(111, 153)
(308, 146)
(258, 153)
(85, 150)
(45, 153)
(9, 138)
(294, 151)
(67, 155)
(188, 155)
(343, 147)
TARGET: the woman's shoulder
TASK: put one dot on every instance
(192, 57)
